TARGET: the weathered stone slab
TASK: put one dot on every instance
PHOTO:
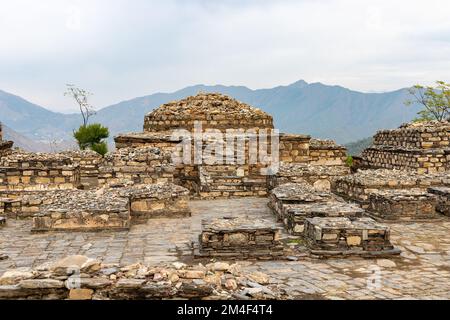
(344, 237)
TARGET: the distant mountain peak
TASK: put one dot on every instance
(299, 84)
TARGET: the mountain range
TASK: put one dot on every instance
(323, 111)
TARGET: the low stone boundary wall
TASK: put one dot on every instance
(33, 178)
(327, 237)
(239, 238)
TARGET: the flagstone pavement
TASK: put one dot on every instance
(422, 271)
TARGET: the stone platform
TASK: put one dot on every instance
(296, 214)
(357, 187)
(328, 237)
(296, 193)
(402, 205)
(443, 199)
(84, 210)
(240, 238)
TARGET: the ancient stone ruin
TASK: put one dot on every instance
(344, 236)
(423, 147)
(318, 206)
(5, 146)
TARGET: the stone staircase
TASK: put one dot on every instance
(231, 181)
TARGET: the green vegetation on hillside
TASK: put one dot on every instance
(435, 100)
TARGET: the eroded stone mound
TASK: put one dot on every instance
(213, 109)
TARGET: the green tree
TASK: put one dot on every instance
(435, 100)
(92, 136)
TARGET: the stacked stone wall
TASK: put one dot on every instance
(423, 147)
(423, 161)
(136, 165)
(326, 152)
(294, 148)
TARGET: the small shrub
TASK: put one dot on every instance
(92, 136)
(349, 161)
(100, 148)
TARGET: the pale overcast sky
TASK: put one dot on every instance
(121, 49)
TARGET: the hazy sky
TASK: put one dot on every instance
(120, 49)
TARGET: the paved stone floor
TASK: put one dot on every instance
(422, 271)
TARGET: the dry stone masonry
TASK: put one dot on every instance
(240, 238)
(443, 199)
(321, 177)
(423, 147)
(84, 210)
(296, 214)
(357, 187)
(37, 171)
(315, 196)
(225, 115)
(81, 278)
(157, 200)
(327, 152)
(409, 205)
(289, 194)
(5, 146)
(345, 237)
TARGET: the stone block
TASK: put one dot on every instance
(239, 238)
(328, 237)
